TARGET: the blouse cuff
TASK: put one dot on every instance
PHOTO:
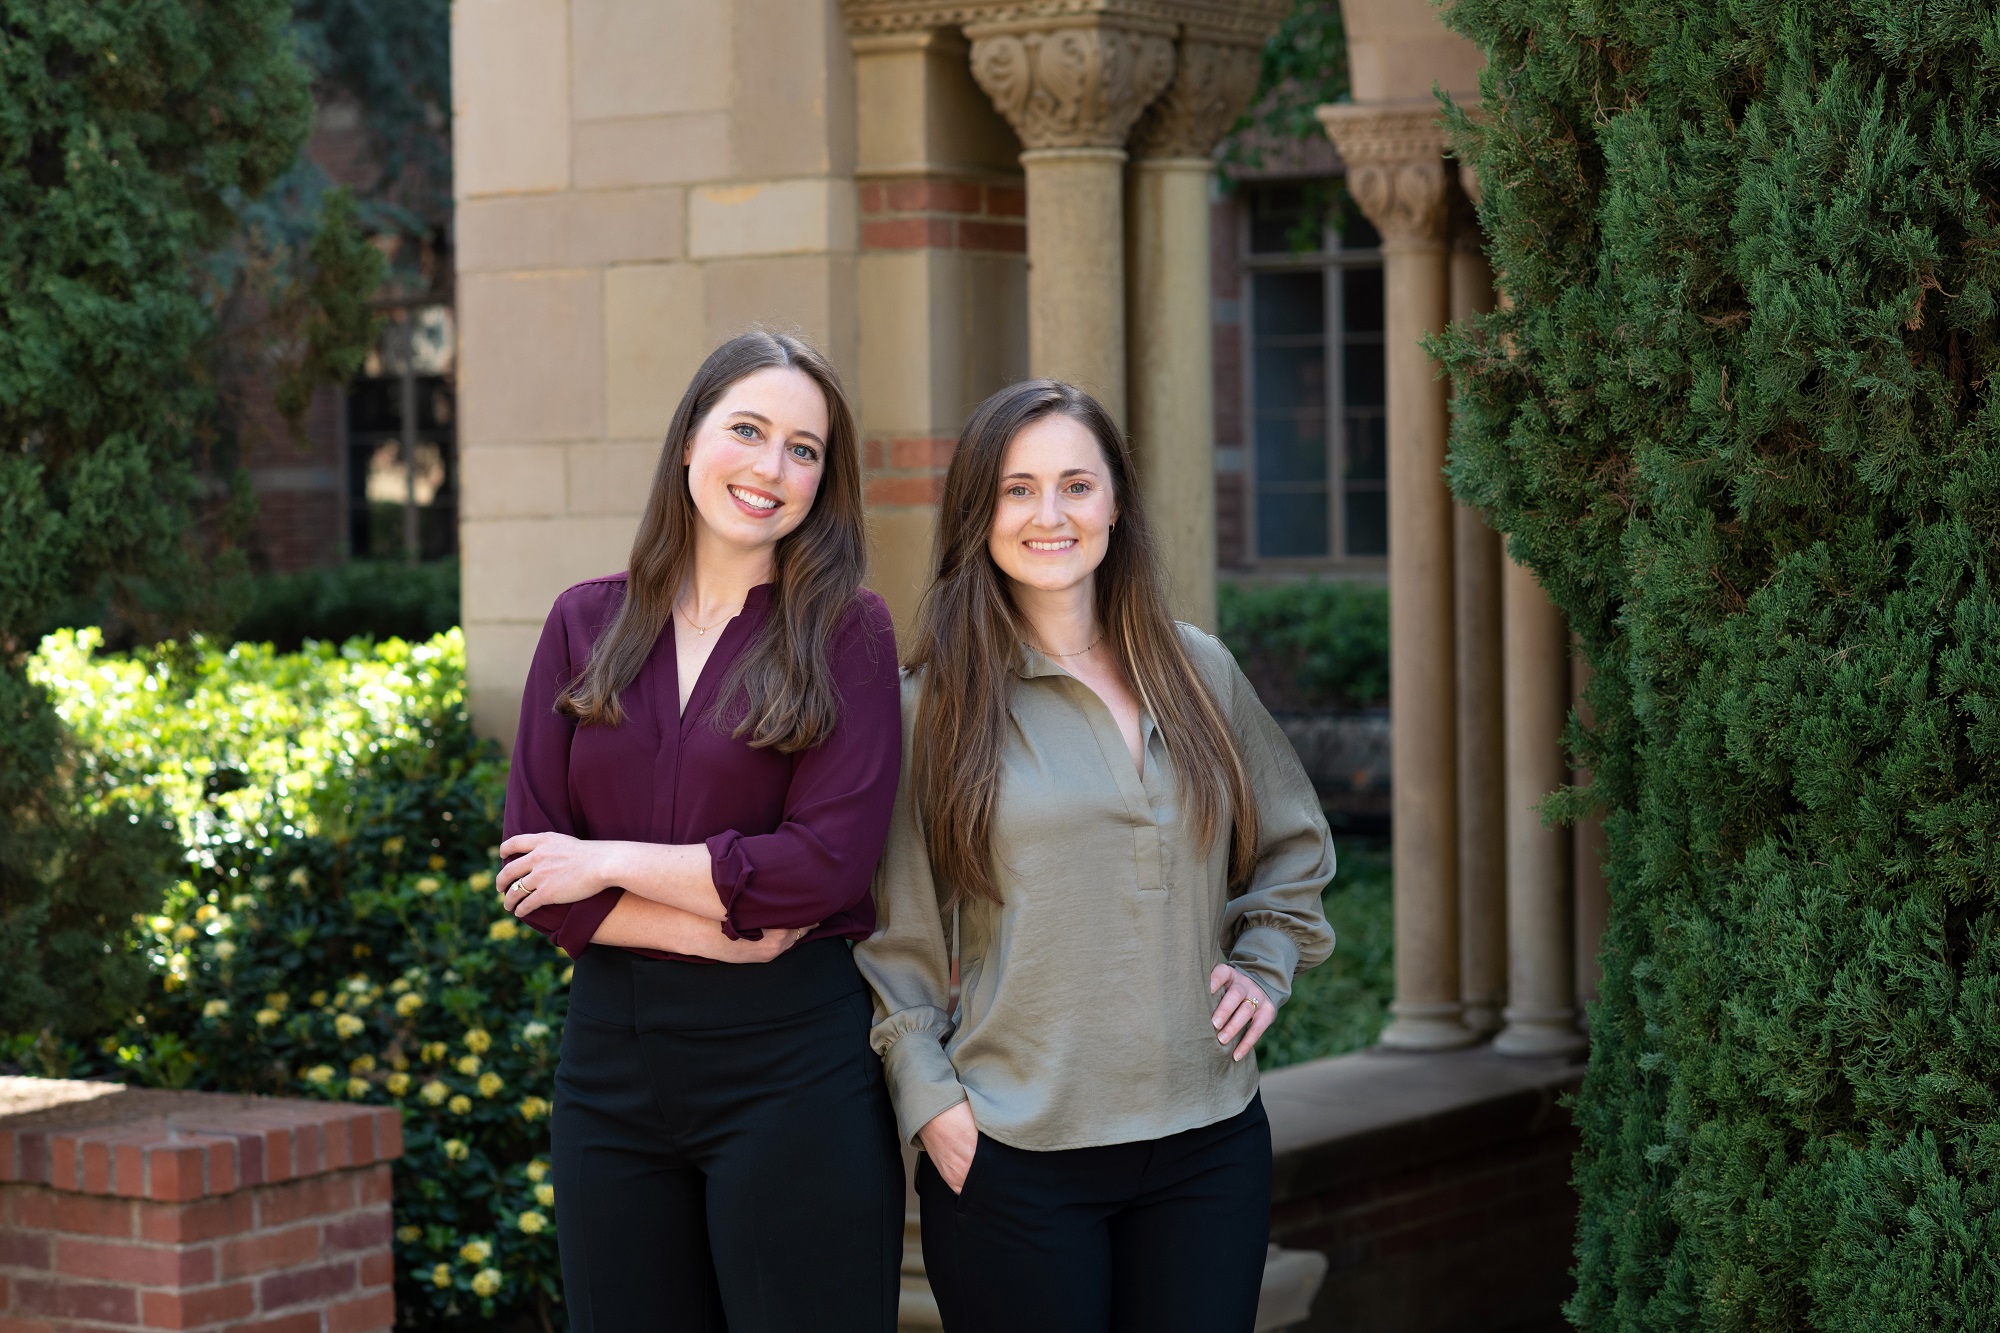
(729, 867)
(579, 925)
(1270, 956)
(922, 1082)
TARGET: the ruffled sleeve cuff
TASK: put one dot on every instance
(1270, 955)
(729, 866)
(922, 1082)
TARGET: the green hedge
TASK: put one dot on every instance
(377, 599)
(1341, 1005)
(1309, 645)
(334, 932)
(1742, 420)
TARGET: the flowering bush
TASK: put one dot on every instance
(335, 933)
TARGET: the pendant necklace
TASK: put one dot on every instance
(703, 629)
(1078, 653)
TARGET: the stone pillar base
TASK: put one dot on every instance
(1540, 1032)
(1426, 1027)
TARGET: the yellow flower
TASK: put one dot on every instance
(480, 879)
(347, 1025)
(433, 1051)
(357, 1087)
(568, 972)
(485, 1282)
(533, 1108)
(398, 1061)
(161, 924)
(436, 862)
(456, 1150)
(215, 1009)
(409, 1235)
(531, 1222)
(392, 846)
(242, 902)
(490, 1085)
(319, 1074)
(478, 1041)
(409, 1004)
(441, 1275)
(475, 1251)
(467, 1065)
(225, 950)
(538, 1169)
(399, 985)
(361, 1064)
(317, 999)
(184, 932)
(534, 1030)
(506, 928)
(427, 885)
(297, 879)
(266, 1017)
(459, 1105)
(207, 912)
(362, 951)
(277, 999)
(435, 1092)
(398, 1084)
(545, 1195)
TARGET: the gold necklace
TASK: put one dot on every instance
(703, 629)
(1078, 653)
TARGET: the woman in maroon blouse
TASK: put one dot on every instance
(708, 752)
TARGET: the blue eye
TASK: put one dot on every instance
(806, 453)
(745, 430)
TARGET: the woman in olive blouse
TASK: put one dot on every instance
(1102, 833)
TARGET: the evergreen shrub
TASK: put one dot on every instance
(375, 599)
(1741, 419)
(333, 931)
(1309, 646)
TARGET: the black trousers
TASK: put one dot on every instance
(1160, 1236)
(725, 1154)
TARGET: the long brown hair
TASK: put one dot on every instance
(968, 640)
(782, 681)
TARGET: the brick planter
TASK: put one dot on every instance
(127, 1208)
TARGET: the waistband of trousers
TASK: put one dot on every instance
(656, 994)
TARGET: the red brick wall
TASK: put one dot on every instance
(201, 1213)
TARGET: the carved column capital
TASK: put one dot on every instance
(1072, 84)
(1213, 81)
(1395, 170)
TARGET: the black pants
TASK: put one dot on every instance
(725, 1154)
(1159, 1236)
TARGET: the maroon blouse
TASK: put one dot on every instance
(792, 839)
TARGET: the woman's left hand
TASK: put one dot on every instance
(1243, 1011)
(549, 868)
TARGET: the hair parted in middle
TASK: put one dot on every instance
(781, 681)
(968, 643)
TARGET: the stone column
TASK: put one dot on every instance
(1072, 89)
(1482, 769)
(1171, 355)
(1396, 173)
(1541, 981)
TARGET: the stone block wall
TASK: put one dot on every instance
(124, 1209)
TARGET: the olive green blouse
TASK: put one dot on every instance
(1083, 1013)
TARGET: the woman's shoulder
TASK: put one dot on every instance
(1211, 657)
(591, 595)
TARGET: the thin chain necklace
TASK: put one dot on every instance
(1078, 653)
(703, 629)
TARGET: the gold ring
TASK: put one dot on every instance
(1254, 1004)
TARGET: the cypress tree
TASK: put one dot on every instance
(134, 135)
(1740, 419)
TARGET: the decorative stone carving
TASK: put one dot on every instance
(1213, 82)
(1395, 170)
(1079, 85)
(1249, 21)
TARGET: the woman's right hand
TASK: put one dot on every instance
(951, 1138)
(774, 943)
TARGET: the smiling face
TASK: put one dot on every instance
(754, 463)
(1052, 523)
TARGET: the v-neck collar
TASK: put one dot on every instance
(728, 647)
